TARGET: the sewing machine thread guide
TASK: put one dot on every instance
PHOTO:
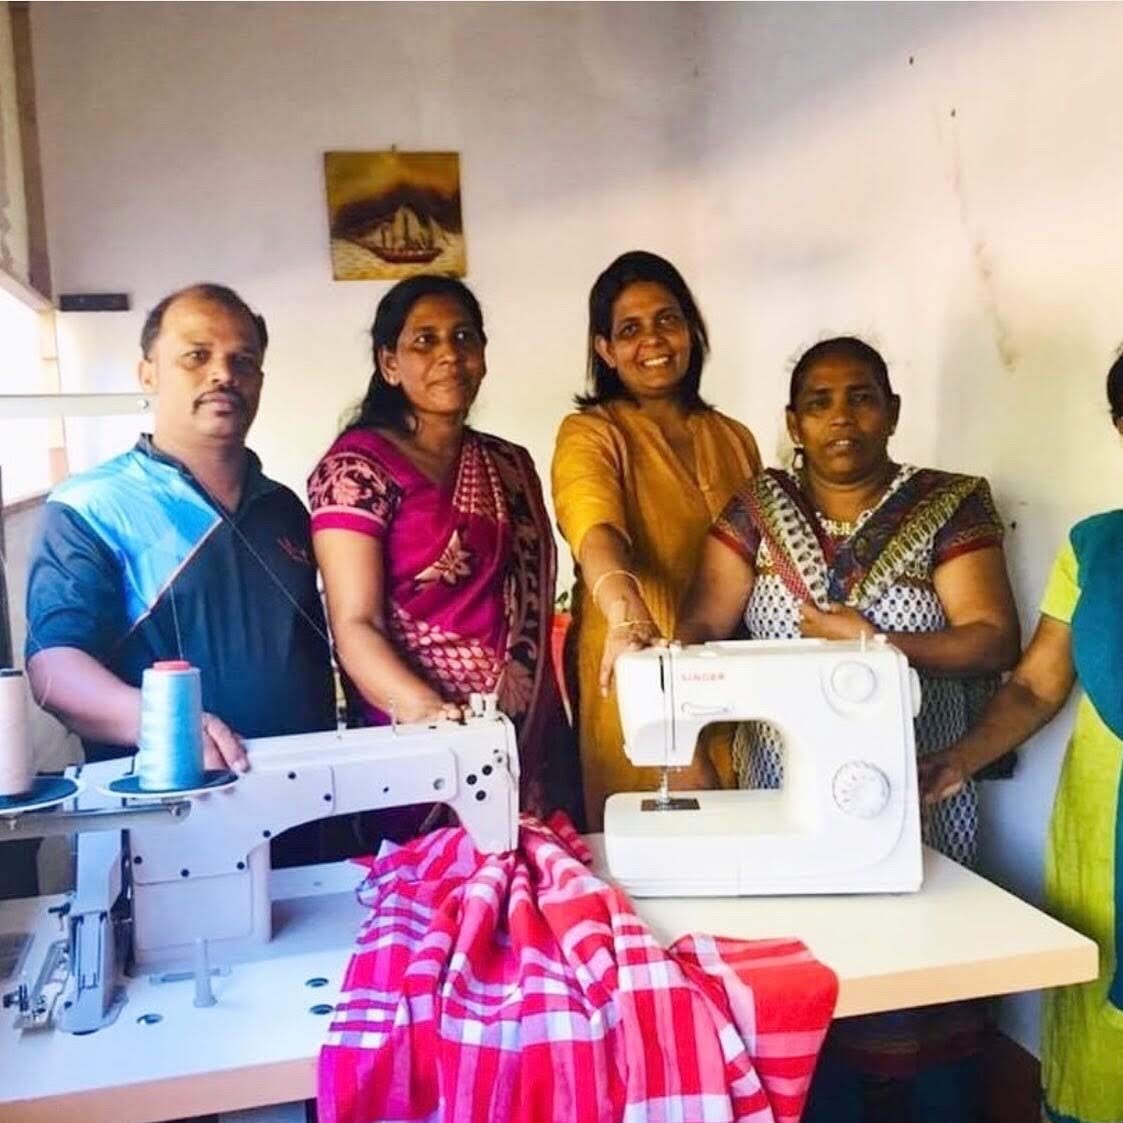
(671, 803)
(204, 995)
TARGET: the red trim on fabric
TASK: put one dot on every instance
(967, 548)
(733, 542)
(339, 518)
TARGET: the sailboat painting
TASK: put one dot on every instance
(394, 214)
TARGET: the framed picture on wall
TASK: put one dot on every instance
(394, 214)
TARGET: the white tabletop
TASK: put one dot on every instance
(960, 937)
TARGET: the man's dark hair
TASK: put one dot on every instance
(218, 294)
(629, 268)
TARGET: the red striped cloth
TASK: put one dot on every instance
(521, 987)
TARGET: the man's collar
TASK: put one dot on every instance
(256, 482)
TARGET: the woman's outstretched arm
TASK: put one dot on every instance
(354, 581)
(1036, 691)
(718, 593)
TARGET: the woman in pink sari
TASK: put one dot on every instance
(435, 546)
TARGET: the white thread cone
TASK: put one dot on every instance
(17, 770)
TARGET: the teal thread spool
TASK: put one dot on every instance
(170, 755)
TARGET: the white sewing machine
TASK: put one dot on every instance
(187, 885)
(846, 819)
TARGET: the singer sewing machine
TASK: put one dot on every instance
(190, 888)
(846, 818)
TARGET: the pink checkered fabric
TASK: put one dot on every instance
(521, 987)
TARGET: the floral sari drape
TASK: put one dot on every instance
(895, 540)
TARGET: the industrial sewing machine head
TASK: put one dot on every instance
(177, 885)
(846, 816)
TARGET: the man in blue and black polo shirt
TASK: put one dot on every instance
(182, 549)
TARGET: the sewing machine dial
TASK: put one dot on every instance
(854, 682)
(860, 789)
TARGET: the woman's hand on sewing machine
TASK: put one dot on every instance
(447, 711)
(838, 622)
(626, 635)
(429, 707)
(222, 747)
(941, 775)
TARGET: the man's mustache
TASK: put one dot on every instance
(232, 396)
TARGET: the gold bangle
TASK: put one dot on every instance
(614, 573)
(632, 624)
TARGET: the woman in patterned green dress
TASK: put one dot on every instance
(847, 544)
(1079, 640)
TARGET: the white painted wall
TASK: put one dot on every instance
(182, 143)
(790, 158)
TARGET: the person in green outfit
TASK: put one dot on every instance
(1079, 639)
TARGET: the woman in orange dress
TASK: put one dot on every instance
(639, 473)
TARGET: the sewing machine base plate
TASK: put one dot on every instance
(754, 843)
